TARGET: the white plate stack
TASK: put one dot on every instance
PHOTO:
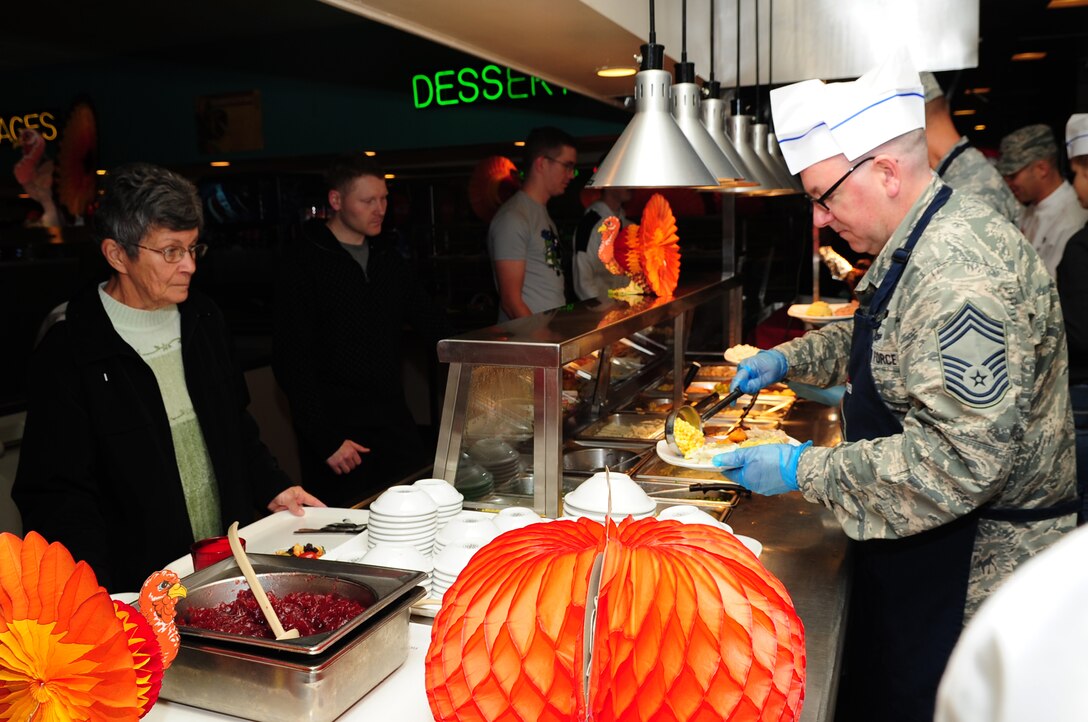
(497, 457)
(592, 498)
(448, 499)
(466, 527)
(403, 515)
(449, 562)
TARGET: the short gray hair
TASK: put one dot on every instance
(140, 197)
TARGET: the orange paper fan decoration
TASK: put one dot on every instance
(146, 655)
(660, 246)
(78, 160)
(689, 626)
(493, 181)
(64, 654)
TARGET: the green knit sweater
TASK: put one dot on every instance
(156, 337)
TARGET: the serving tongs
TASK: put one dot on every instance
(336, 527)
(696, 415)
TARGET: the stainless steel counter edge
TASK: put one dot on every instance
(553, 338)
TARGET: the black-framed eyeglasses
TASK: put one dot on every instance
(822, 200)
(569, 165)
(174, 254)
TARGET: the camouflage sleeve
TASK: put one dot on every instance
(958, 366)
(820, 356)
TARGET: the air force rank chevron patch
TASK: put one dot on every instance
(974, 364)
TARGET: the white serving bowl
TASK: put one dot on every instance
(401, 524)
(402, 501)
(444, 494)
(627, 497)
(687, 514)
(515, 517)
(398, 556)
(454, 557)
(467, 528)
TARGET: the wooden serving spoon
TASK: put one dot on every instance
(255, 586)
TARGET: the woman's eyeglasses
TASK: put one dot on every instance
(174, 254)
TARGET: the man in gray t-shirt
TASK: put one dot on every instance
(522, 240)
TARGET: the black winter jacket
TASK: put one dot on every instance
(97, 470)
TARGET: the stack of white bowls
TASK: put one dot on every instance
(466, 527)
(448, 499)
(449, 562)
(400, 556)
(497, 457)
(403, 515)
(515, 517)
(592, 498)
(687, 514)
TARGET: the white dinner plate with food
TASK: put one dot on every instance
(735, 354)
(801, 311)
(702, 458)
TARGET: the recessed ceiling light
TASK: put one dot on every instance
(976, 91)
(390, 176)
(519, 143)
(980, 126)
(616, 71)
(370, 153)
(1029, 56)
(1059, 4)
(100, 171)
(220, 164)
(24, 195)
(965, 111)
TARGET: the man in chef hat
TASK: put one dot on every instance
(957, 462)
(1029, 162)
(957, 162)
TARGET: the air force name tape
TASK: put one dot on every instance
(974, 361)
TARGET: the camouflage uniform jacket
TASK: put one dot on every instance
(953, 455)
(970, 172)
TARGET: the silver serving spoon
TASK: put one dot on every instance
(696, 417)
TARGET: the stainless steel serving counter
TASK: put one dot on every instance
(806, 548)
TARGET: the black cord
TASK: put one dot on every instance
(711, 41)
(684, 31)
(758, 103)
(737, 98)
(653, 33)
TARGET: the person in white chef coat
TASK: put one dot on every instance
(1022, 656)
(1029, 162)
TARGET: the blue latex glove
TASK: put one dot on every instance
(830, 396)
(767, 469)
(759, 371)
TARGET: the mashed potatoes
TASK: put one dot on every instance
(820, 308)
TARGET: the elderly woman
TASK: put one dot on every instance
(137, 438)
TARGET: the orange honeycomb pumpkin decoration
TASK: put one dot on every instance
(690, 626)
(649, 253)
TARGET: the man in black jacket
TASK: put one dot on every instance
(344, 299)
(137, 439)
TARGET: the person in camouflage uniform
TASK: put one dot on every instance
(958, 463)
(957, 162)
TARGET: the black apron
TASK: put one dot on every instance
(908, 595)
(951, 157)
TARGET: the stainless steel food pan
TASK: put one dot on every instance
(373, 587)
(592, 460)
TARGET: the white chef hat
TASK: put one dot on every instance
(1076, 135)
(815, 120)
